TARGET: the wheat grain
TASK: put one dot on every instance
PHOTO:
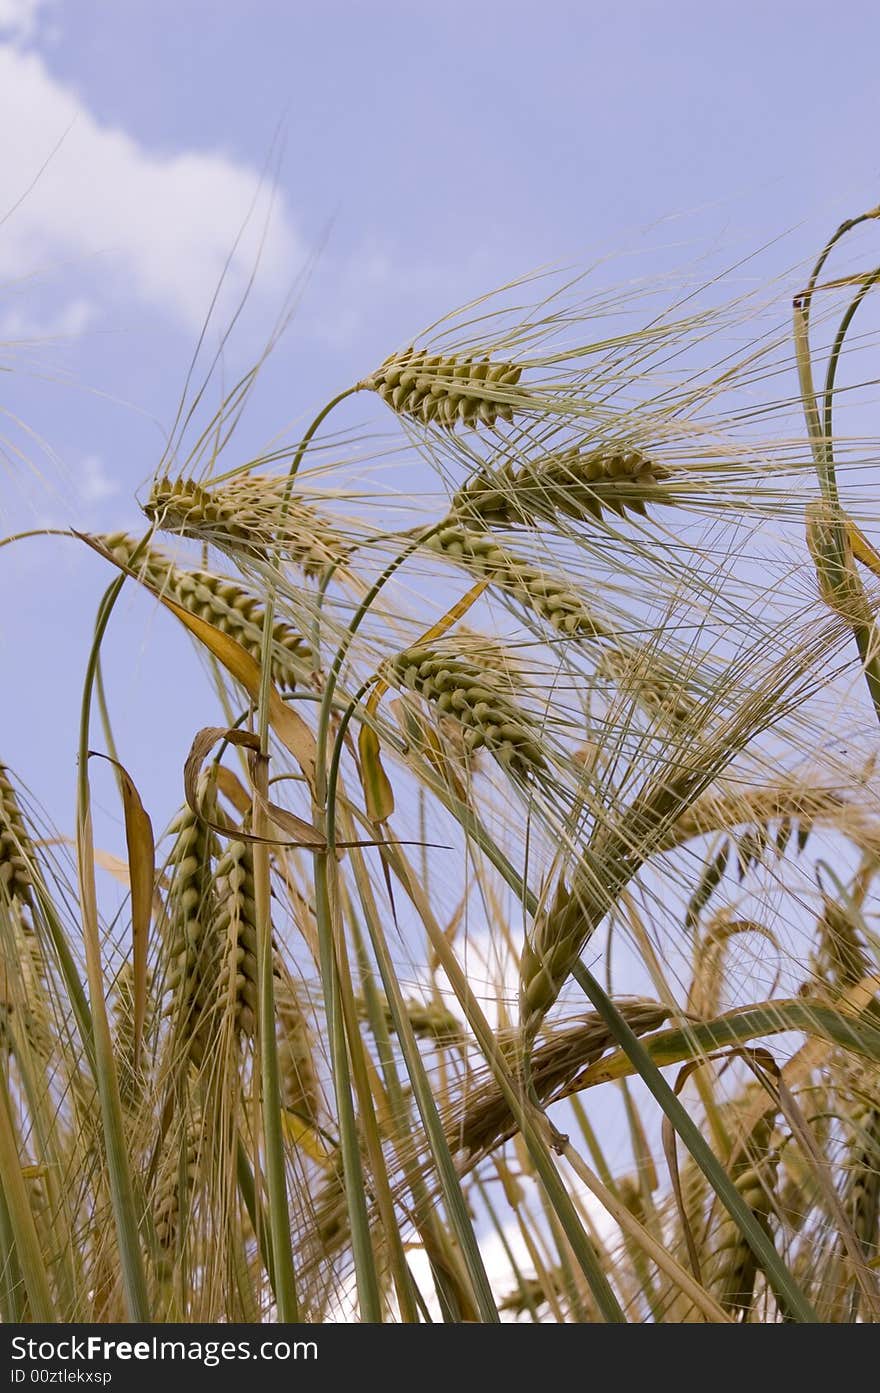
(255, 514)
(449, 391)
(234, 931)
(575, 483)
(223, 603)
(476, 699)
(550, 597)
(192, 947)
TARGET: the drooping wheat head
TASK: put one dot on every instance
(730, 1264)
(550, 597)
(226, 604)
(556, 1065)
(23, 986)
(476, 699)
(16, 882)
(254, 514)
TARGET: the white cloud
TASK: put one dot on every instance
(20, 328)
(160, 226)
(95, 483)
(18, 18)
(494, 1250)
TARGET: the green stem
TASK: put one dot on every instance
(276, 1177)
(121, 1187)
(367, 1283)
(325, 811)
(511, 1089)
(21, 1220)
(754, 1234)
(820, 431)
(450, 1184)
(271, 1099)
(276, 1180)
(426, 1218)
(834, 357)
(11, 1283)
(248, 1190)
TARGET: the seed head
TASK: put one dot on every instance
(477, 700)
(449, 391)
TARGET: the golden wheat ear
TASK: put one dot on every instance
(254, 515)
(474, 698)
(575, 483)
(224, 603)
(449, 391)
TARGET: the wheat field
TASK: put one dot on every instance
(514, 954)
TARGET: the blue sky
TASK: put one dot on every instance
(426, 154)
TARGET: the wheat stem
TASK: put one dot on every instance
(121, 1188)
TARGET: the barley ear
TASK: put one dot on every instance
(449, 391)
